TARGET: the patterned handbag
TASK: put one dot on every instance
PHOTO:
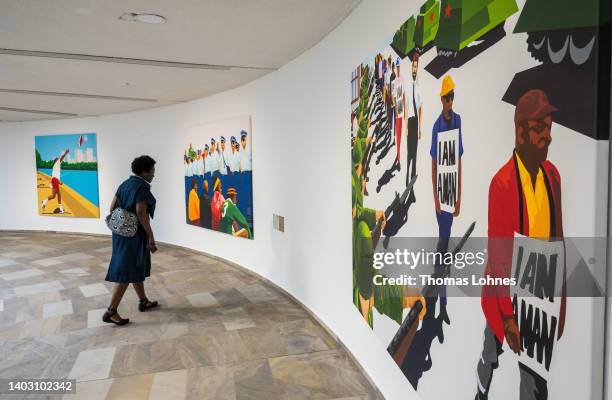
(122, 222)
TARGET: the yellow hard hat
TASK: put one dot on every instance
(447, 85)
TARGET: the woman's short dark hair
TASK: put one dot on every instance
(142, 164)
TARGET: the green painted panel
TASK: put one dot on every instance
(546, 15)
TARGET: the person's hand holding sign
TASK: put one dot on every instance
(513, 335)
(457, 208)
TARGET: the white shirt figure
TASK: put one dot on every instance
(199, 166)
(229, 159)
(207, 165)
(398, 93)
(223, 163)
(57, 166)
(245, 159)
(189, 169)
(414, 87)
(236, 156)
(213, 156)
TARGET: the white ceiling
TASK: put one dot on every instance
(253, 37)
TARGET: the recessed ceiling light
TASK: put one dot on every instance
(143, 17)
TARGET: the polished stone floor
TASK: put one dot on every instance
(220, 333)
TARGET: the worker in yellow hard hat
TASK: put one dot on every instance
(446, 154)
(448, 85)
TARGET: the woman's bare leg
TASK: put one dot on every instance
(140, 290)
(118, 293)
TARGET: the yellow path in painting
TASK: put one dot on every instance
(74, 204)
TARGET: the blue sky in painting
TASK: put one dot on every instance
(53, 146)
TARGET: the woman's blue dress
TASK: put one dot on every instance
(131, 259)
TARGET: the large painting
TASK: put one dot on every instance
(67, 175)
(484, 126)
(219, 177)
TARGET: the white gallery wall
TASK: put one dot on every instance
(301, 160)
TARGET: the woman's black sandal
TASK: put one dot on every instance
(145, 304)
(111, 312)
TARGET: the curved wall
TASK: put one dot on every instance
(300, 122)
(300, 163)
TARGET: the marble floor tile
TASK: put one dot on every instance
(54, 340)
(225, 280)
(45, 297)
(209, 325)
(42, 327)
(6, 262)
(22, 274)
(303, 336)
(105, 249)
(73, 322)
(28, 290)
(94, 318)
(95, 289)
(202, 300)
(204, 349)
(237, 318)
(264, 342)
(230, 297)
(253, 380)
(93, 364)
(58, 308)
(47, 262)
(74, 272)
(327, 374)
(90, 390)
(135, 387)
(169, 385)
(28, 312)
(57, 365)
(146, 358)
(9, 237)
(210, 383)
(15, 254)
(257, 293)
(7, 294)
(32, 328)
(203, 259)
(50, 367)
(75, 257)
(12, 332)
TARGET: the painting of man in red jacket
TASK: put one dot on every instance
(524, 201)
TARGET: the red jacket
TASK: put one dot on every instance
(507, 215)
(215, 208)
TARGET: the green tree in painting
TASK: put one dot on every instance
(362, 111)
(39, 161)
(80, 166)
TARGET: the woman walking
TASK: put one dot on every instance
(131, 258)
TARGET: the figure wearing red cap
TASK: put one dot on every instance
(524, 207)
